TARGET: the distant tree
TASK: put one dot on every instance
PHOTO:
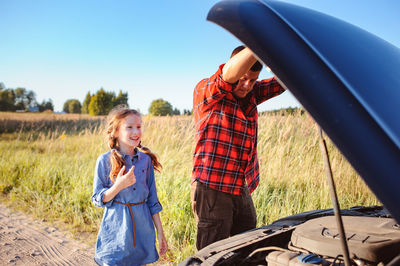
(85, 104)
(66, 106)
(46, 106)
(7, 99)
(75, 107)
(72, 106)
(176, 111)
(21, 99)
(286, 111)
(101, 103)
(122, 98)
(24, 99)
(160, 107)
(187, 112)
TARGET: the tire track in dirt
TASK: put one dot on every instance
(53, 254)
(24, 241)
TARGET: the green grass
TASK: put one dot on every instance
(48, 170)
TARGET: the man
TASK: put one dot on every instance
(226, 170)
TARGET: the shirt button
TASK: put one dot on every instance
(142, 170)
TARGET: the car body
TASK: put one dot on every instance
(349, 81)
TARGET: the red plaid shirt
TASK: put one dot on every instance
(226, 133)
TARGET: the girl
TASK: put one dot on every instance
(124, 185)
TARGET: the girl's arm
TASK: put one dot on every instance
(101, 181)
(160, 234)
(155, 208)
(121, 182)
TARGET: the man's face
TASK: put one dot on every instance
(245, 84)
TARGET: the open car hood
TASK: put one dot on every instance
(346, 78)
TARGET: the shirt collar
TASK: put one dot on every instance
(137, 154)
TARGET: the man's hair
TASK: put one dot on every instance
(257, 65)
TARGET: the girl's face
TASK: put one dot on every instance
(129, 133)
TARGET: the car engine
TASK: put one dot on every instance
(371, 241)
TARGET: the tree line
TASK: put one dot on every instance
(98, 103)
(21, 99)
(285, 111)
(101, 103)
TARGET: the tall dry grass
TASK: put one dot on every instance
(51, 174)
(47, 123)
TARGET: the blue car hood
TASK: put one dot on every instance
(347, 79)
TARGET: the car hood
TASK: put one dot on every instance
(347, 79)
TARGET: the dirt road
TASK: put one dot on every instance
(25, 241)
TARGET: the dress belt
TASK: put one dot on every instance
(133, 218)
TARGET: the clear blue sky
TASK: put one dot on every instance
(150, 49)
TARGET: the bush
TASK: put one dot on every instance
(101, 103)
(160, 107)
(72, 106)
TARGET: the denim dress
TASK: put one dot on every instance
(117, 235)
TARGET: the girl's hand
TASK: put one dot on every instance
(125, 180)
(162, 243)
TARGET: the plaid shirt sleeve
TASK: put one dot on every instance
(209, 91)
(266, 89)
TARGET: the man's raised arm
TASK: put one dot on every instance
(238, 65)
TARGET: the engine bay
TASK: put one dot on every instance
(371, 241)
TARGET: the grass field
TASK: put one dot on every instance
(47, 164)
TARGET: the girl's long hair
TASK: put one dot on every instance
(114, 120)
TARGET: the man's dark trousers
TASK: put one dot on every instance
(220, 215)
